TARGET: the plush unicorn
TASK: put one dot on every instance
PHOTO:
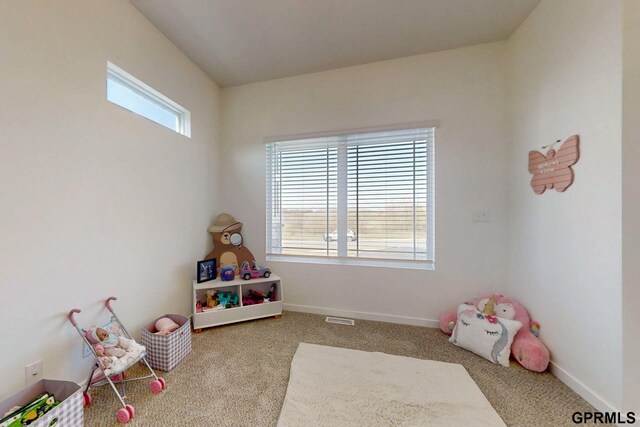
(484, 334)
(527, 348)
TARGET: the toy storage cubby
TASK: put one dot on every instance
(241, 312)
(70, 411)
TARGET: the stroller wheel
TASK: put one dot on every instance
(156, 386)
(131, 411)
(123, 415)
(87, 398)
(164, 384)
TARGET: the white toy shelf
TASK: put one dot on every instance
(217, 317)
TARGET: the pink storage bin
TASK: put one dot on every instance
(164, 352)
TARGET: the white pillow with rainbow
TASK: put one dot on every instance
(485, 335)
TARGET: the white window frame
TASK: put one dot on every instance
(428, 264)
(183, 115)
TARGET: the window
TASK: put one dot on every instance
(130, 93)
(364, 198)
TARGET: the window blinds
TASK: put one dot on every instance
(367, 195)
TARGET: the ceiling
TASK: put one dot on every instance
(244, 41)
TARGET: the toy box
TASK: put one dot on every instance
(164, 352)
(70, 411)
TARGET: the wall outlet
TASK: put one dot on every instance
(86, 351)
(33, 372)
(481, 216)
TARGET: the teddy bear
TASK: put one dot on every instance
(109, 343)
(228, 248)
(527, 348)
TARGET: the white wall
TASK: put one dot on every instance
(565, 248)
(96, 201)
(631, 204)
(462, 88)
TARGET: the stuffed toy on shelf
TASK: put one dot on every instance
(527, 348)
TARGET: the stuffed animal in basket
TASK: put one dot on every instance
(107, 343)
(165, 325)
(527, 348)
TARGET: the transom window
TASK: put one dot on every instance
(128, 92)
(360, 198)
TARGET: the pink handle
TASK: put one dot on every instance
(108, 305)
(70, 316)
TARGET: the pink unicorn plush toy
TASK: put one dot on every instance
(527, 348)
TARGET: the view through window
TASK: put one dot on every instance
(365, 196)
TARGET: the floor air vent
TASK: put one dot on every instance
(340, 321)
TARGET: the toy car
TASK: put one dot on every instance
(247, 272)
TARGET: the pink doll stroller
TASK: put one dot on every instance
(110, 368)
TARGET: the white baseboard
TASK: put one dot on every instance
(585, 392)
(388, 318)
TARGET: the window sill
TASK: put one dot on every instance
(362, 262)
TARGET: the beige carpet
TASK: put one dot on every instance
(331, 386)
(237, 375)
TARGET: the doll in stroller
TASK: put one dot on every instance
(115, 352)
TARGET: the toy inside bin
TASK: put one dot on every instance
(164, 352)
(69, 412)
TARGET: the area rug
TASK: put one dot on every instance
(331, 386)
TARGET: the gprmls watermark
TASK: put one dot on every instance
(604, 417)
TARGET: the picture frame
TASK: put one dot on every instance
(206, 270)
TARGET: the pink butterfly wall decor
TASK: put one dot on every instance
(553, 170)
